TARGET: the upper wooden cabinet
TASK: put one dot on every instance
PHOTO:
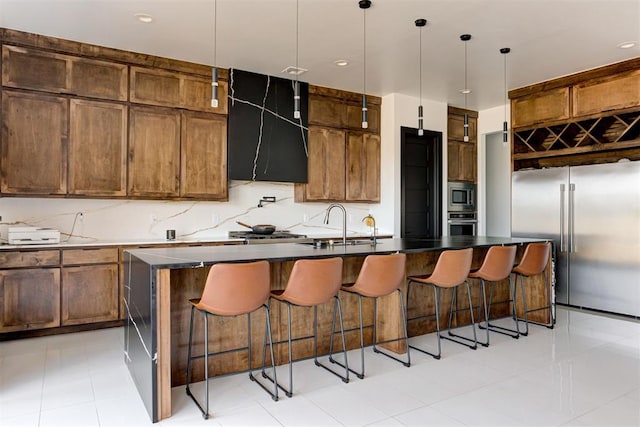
(34, 143)
(461, 156)
(97, 148)
(171, 89)
(154, 152)
(354, 117)
(616, 92)
(588, 117)
(327, 111)
(543, 107)
(36, 69)
(203, 169)
(363, 167)
(326, 166)
(342, 110)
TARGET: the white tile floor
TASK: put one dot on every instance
(586, 371)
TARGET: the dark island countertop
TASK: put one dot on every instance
(186, 257)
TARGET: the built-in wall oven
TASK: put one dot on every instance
(462, 223)
(462, 215)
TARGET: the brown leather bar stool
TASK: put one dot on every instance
(231, 290)
(451, 271)
(312, 282)
(380, 275)
(534, 261)
(496, 266)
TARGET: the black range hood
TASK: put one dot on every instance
(265, 141)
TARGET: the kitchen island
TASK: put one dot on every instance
(159, 283)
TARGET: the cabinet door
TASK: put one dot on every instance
(609, 93)
(97, 148)
(542, 107)
(29, 299)
(154, 152)
(196, 95)
(34, 148)
(326, 170)
(455, 128)
(363, 167)
(354, 117)
(454, 170)
(327, 111)
(468, 162)
(204, 156)
(30, 68)
(89, 294)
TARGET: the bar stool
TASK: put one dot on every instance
(380, 275)
(231, 290)
(451, 271)
(534, 261)
(312, 282)
(496, 266)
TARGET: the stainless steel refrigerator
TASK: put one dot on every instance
(592, 213)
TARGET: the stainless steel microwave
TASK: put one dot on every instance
(462, 197)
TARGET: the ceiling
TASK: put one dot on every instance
(548, 38)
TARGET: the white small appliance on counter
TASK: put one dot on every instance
(32, 236)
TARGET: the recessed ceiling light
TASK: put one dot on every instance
(341, 62)
(465, 91)
(294, 71)
(627, 45)
(143, 17)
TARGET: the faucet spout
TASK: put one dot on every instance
(344, 219)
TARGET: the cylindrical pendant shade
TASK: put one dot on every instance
(214, 87)
(296, 100)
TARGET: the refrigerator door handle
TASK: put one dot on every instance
(562, 242)
(572, 191)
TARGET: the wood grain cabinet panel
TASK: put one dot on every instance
(97, 148)
(363, 167)
(204, 156)
(354, 117)
(455, 127)
(327, 111)
(30, 68)
(34, 148)
(89, 294)
(90, 256)
(605, 94)
(178, 90)
(29, 299)
(326, 166)
(154, 152)
(546, 106)
(11, 259)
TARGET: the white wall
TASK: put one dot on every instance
(489, 122)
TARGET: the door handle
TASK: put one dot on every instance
(562, 218)
(572, 191)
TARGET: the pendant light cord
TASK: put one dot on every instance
(297, 38)
(364, 44)
(466, 85)
(420, 65)
(215, 29)
(505, 86)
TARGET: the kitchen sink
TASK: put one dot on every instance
(326, 244)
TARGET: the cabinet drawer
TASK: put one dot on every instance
(90, 256)
(29, 258)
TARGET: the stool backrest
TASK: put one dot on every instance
(381, 274)
(534, 260)
(498, 263)
(233, 289)
(314, 281)
(452, 267)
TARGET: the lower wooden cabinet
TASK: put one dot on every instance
(29, 299)
(89, 286)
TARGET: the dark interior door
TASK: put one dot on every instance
(421, 183)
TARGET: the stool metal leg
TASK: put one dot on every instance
(274, 394)
(336, 307)
(438, 354)
(205, 412)
(549, 306)
(513, 333)
(406, 336)
(473, 346)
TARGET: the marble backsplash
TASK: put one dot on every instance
(96, 220)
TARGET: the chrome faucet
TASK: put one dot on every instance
(344, 219)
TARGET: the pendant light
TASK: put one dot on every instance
(364, 5)
(505, 125)
(214, 70)
(466, 91)
(420, 23)
(296, 84)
